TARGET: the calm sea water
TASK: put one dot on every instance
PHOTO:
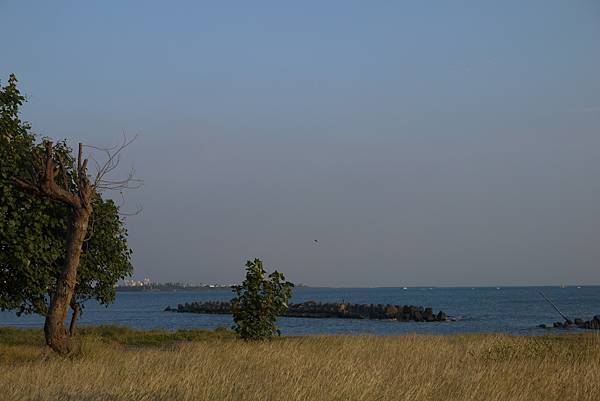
(516, 310)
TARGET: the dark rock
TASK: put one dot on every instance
(391, 311)
(593, 324)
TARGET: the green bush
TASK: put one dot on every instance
(259, 301)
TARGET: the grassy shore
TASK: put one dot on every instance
(121, 364)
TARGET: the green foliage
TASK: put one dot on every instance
(33, 229)
(259, 301)
(106, 257)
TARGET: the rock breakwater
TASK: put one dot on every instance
(593, 324)
(312, 309)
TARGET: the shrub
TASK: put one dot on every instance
(259, 301)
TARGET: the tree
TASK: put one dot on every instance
(259, 301)
(61, 243)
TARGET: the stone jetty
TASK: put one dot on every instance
(593, 324)
(312, 309)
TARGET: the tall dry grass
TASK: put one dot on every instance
(467, 367)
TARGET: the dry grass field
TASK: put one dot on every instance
(196, 365)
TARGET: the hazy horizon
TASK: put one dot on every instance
(455, 145)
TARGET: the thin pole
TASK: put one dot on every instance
(554, 306)
(79, 157)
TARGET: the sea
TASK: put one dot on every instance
(513, 310)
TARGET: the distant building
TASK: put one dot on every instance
(137, 283)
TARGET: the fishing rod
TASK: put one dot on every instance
(555, 307)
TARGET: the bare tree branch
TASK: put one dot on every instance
(63, 169)
(113, 159)
(25, 185)
(138, 210)
(102, 182)
(79, 157)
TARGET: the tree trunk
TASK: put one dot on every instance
(57, 336)
(76, 310)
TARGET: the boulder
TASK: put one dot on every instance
(391, 311)
(594, 324)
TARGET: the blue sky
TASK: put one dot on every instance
(455, 143)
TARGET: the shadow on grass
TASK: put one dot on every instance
(10, 336)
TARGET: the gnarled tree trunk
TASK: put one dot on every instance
(57, 336)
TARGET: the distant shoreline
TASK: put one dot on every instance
(168, 289)
(162, 288)
(177, 288)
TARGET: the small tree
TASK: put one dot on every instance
(259, 301)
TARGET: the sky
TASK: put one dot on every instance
(420, 143)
